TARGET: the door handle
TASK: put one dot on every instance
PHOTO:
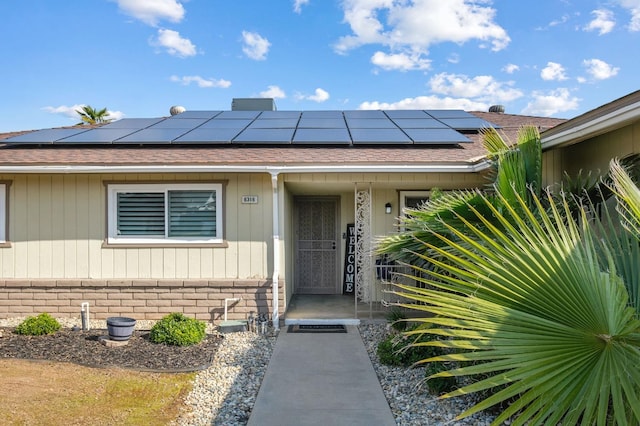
(333, 245)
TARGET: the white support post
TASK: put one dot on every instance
(276, 252)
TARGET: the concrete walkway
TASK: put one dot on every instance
(320, 379)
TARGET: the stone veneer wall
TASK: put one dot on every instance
(139, 299)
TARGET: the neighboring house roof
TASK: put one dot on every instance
(94, 157)
(604, 119)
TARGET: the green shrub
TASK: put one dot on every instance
(439, 385)
(396, 349)
(38, 326)
(397, 318)
(178, 330)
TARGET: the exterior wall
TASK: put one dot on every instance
(141, 299)
(56, 258)
(57, 226)
(593, 154)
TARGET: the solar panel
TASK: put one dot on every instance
(45, 136)
(376, 136)
(406, 113)
(195, 114)
(161, 136)
(359, 127)
(183, 123)
(424, 123)
(364, 114)
(322, 136)
(265, 136)
(208, 135)
(436, 136)
(132, 123)
(220, 123)
(274, 123)
(321, 123)
(97, 136)
(322, 114)
(238, 114)
(370, 123)
(280, 114)
(472, 123)
(448, 113)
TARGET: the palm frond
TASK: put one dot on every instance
(524, 290)
(628, 197)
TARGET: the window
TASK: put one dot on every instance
(165, 213)
(412, 199)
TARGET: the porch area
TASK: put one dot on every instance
(332, 309)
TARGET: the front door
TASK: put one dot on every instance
(316, 231)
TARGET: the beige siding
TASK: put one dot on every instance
(57, 225)
(593, 154)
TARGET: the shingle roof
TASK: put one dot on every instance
(466, 153)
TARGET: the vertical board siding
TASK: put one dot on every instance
(57, 225)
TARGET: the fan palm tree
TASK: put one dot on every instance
(89, 115)
(533, 299)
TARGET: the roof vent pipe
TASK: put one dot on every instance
(176, 109)
(497, 108)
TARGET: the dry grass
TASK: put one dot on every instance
(38, 393)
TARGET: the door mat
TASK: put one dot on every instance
(317, 328)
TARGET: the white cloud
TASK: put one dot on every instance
(297, 5)
(563, 19)
(553, 71)
(599, 70)
(151, 12)
(453, 58)
(200, 81)
(319, 96)
(412, 27)
(481, 87)
(70, 112)
(274, 92)
(603, 21)
(511, 68)
(633, 6)
(427, 102)
(551, 103)
(255, 46)
(174, 43)
(400, 61)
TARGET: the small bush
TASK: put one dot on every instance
(178, 330)
(397, 318)
(439, 385)
(38, 326)
(395, 349)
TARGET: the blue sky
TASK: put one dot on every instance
(555, 58)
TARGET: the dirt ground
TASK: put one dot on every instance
(52, 393)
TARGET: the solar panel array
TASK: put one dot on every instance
(342, 128)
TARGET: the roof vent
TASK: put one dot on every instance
(253, 104)
(176, 109)
(497, 108)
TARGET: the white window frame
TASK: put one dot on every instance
(3, 212)
(112, 208)
(405, 194)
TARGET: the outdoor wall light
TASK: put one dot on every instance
(387, 208)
